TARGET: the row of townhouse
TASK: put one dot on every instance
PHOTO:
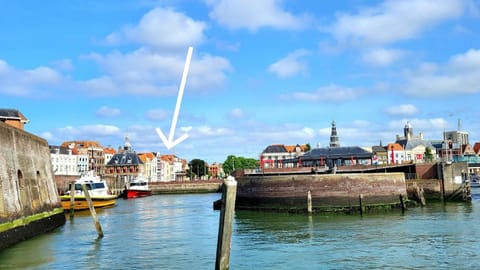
(409, 148)
(74, 158)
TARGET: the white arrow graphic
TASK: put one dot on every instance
(170, 142)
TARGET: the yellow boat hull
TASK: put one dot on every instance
(81, 203)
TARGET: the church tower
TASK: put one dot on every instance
(334, 142)
(408, 131)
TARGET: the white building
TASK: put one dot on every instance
(151, 166)
(274, 155)
(64, 162)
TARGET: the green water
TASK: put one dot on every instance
(180, 232)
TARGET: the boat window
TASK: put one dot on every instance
(98, 185)
(79, 187)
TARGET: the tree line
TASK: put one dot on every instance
(199, 168)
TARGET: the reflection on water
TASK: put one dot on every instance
(180, 232)
(438, 236)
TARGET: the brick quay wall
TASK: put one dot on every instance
(329, 192)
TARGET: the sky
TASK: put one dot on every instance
(262, 72)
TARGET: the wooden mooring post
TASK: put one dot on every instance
(72, 200)
(309, 202)
(92, 211)
(363, 209)
(229, 193)
(402, 203)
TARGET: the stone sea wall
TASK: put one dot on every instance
(329, 192)
(29, 203)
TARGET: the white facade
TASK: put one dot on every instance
(165, 171)
(398, 156)
(64, 163)
(155, 167)
(108, 157)
(82, 163)
(150, 166)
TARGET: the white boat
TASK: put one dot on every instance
(137, 187)
(97, 190)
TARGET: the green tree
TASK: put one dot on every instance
(428, 154)
(198, 167)
(308, 147)
(233, 163)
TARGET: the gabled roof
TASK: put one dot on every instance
(275, 148)
(109, 150)
(476, 147)
(378, 149)
(12, 114)
(394, 146)
(467, 149)
(292, 148)
(81, 144)
(125, 158)
(168, 158)
(337, 152)
(61, 150)
(145, 156)
(413, 143)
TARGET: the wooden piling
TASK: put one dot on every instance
(362, 204)
(229, 193)
(421, 193)
(402, 203)
(92, 211)
(309, 202)
(72, 200)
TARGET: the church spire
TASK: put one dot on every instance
(334, 141)
(127, 146)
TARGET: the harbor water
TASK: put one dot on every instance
(180, 232)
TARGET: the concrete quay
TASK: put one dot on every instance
(211, 186)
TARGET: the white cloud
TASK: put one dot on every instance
(162, 28)
(330, 93)
(36, 82)
(291, 65)
(460, 75)
(105, 111)
(99, 132)
(146, 72)
(402, 109)
(63, 64)
(252, 15)
(284, 134)
(381, 57)
(101, 86)
(394, 21)
(210, 131)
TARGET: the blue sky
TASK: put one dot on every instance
(262, 72)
